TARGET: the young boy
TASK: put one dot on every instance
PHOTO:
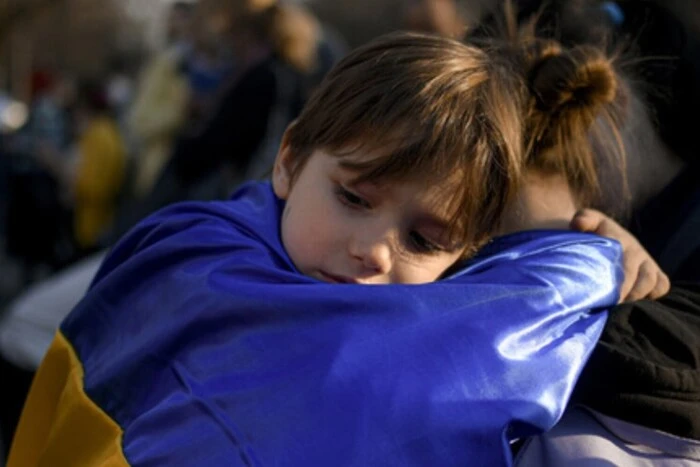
(217, 333)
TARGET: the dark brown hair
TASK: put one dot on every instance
(575, 102)
(432, 107)
(573, 120)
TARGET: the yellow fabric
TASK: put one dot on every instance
(60, 426)
(99, 178)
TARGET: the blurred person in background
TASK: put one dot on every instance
(120, 96)
(37, 219)
(207, 66)
(49, 127)
(13, 117)
(100, 168)
(275, 52)
(160, 103)
(441, 17)
(298, 45)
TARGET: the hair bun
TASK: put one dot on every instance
(577, 79)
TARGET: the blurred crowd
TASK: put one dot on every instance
(208, 110)
(201, 115)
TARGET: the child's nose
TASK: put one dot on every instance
(374, 253)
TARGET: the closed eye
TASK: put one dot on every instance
(420, 244)
(350, 199)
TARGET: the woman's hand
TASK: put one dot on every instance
(643, 277)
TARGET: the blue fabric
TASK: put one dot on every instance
(204, 343)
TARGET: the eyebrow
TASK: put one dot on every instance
(355, 165)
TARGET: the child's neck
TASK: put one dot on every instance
(544, 202)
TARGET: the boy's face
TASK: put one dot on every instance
(338, 231)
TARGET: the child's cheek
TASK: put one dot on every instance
(299, 237)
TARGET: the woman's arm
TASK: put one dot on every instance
(643, 276)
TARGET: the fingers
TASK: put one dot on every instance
(643, 277)
(631, 265)
(643, 284)
(588, 220)
(663, 285)
(644, 281)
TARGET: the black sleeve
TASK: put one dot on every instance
(235, 130)
(646, 367)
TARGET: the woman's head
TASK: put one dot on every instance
(574, 115)
(574, 108)
(658, 40)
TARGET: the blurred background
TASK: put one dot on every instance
(89, 37)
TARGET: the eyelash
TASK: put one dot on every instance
(350, 199)
(417, 242)
(421, 245)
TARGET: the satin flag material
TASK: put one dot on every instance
(201, 341)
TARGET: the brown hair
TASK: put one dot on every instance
(433, 107)
(575, 102)
(573, 120)
(436, 108)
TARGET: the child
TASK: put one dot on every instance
(217, 333)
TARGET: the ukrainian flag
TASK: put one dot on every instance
(199, 344)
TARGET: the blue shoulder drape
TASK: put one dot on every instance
(207, 347)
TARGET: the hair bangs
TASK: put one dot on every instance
(422, 107)
(402, 155)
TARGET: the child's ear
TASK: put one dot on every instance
(282, 170)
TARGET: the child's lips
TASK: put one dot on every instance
(332, 278)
